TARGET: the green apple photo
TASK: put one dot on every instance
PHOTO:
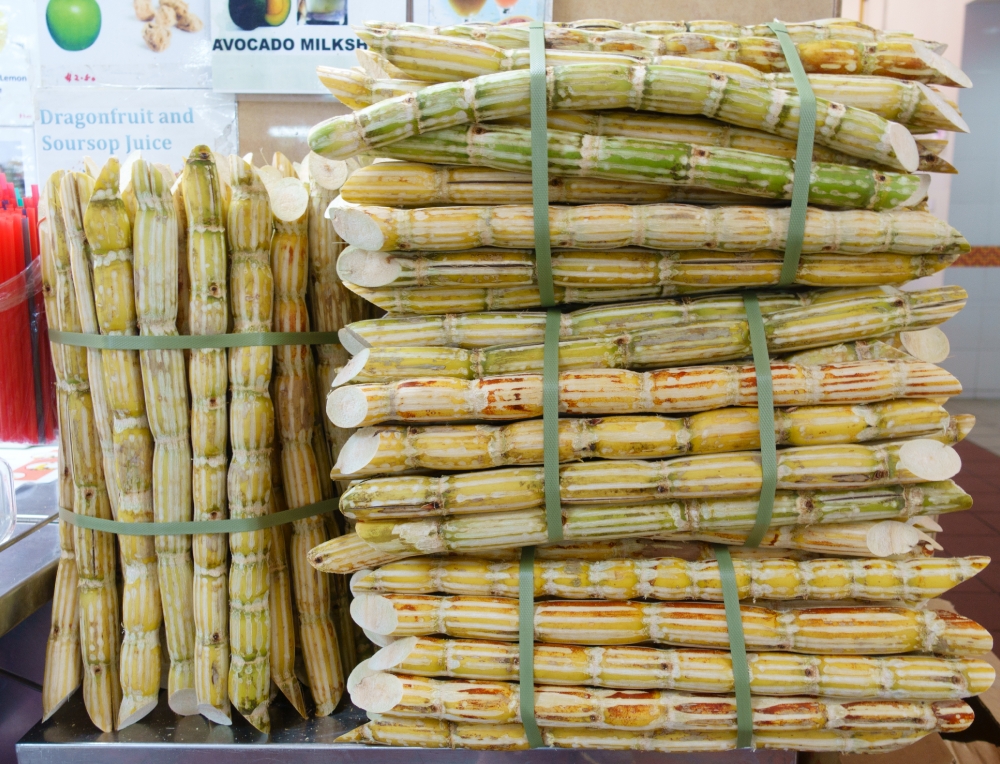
(73, 24)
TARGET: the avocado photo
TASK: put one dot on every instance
(251, 14)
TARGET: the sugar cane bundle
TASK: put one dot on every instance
(94, 231)
(918, 677)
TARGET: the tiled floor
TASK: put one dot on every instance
(977, 532)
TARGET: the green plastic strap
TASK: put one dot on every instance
(737, 647)
(803, 155)
(550, 426)
(540, 162)
(526, 645)
(765, 420)
(192, 342)
(199, 527)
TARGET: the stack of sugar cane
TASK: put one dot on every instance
(670, 153)
(205, 434)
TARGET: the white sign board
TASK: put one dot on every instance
(257, 52)
(16, 49)
(447, 12)
(148, 43)
(73, 123)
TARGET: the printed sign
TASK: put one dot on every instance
(274, 46)
(448, 12)
(151, 43)
(100, 122)
(17, 42)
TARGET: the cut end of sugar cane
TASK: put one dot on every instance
(358, 452)
(963, 425)
(891, 538)
(130, 712)
(347, 407)
(929, 459)
(374, 613)
(360, 671)
(330, 174)
(930, 345)
(289, 199)
(351, 369)
(393, 655)
(906, 150)
(378, 693)
(351, 341)
(356, 577)
(951, 119)
(364, 267)
(357, 228)
(216, 715)
(184, 702)
(381, 640)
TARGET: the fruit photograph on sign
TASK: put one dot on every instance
(73, 24)
(444, 12)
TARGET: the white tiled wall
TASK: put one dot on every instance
(975, 332)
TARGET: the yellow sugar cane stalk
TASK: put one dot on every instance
(100, 255)
(656, 226)
(608, 392)
(481, 330)
(850, 630)
(480, 702)
(915, 677)
(421, 733)
(155, 249)
(672, 578)
(643, 344)
(394, 449)
(62, 650)
(251, 424)
(625, 481)
(624, 276)
(829, 522)
(282, 656)
(430, 57)
(296, 422)
(412, 184)
(95, 551)
(208, 313)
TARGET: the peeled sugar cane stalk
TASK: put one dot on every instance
(647, 343)
(918, 107)
(156, 255)
(207, 312)
(387, 449)
(622, 84)
(610, 392)
(671, 578)
(646, 160)
(607, 709)
(97, 592)
(622, 481)
(854, 630)
(412, 184)
(440, 58)
(779, 309)
(100, 256)
(617, 276)
(251, 424)
(655, 226)
(829, 522)
(429, 733)
(914, 677)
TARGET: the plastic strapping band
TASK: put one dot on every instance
(526, 646)
(803, 155)
(765, 420)
(199, 527)
(737, 647)
(540, 162)
(192, 341)
(550, 426)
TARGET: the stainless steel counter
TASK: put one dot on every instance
(163, 738)
(28, 559)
